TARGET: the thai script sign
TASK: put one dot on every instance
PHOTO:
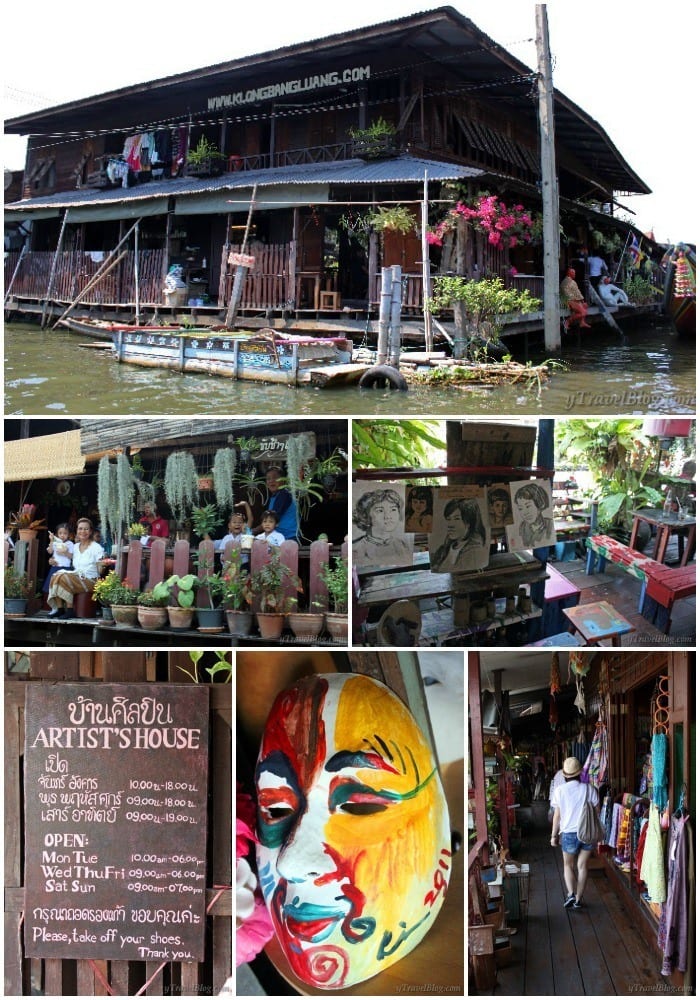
(353, 74)
(116, 819)
(241, 260)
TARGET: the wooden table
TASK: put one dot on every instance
(438, 961)
(596, 622)
(665, 527)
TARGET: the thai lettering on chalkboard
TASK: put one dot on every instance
(116, 820)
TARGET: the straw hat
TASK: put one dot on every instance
(571, 767)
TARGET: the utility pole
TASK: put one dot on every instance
(550, 187)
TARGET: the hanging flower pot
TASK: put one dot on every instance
(205, 483)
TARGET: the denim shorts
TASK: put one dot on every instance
(570, 843)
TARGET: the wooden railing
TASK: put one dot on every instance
(74, 270)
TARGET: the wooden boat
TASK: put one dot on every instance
(102, 329)
(679, 290)
(264, 356)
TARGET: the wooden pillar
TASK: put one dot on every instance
(476, 748)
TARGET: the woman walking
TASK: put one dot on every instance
(568, 800)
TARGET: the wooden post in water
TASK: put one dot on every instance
(384, 317)
(427, 316)
(550, 186)
(240, 273)
(52, 273)
(136, 274)
(395, 324)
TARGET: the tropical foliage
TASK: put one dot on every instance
(393, 443)
(483, 300)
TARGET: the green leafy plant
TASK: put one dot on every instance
(206, 519)
(203, 151)
(107, 589)
(154, 598)
(251, 483)
(484, 300)
(393, 219)
(392, 443)
(136, 530)
(377, 129)
(268, 581)
(237, 592)
(335, 578)
(17, 585)
(221, 666)
(181, 589)
(123, 594)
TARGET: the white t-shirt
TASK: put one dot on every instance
(569, 799)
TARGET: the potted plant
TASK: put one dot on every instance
(307, 625)
(267, 584)
(152, 609)
(326, 470)
(335, 578)
(237, 595)
(246, 447)
(206, 520)
(137, 469)
(393, 219)
(136, 531)
(26, 524)
(251, 483)
(206, 482)
(211, 618)
(106, 591)
(18, 590)
(181, 600)
(124, 608)
(205, 160)
(374, 142)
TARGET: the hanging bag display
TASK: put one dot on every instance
(590, 829)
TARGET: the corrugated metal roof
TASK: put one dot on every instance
(400, 170)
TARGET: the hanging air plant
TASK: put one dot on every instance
(107, 501)
(181, 483)
(224, 470)
(301, 451)
(125, 488)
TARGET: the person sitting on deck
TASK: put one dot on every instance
(578, 306)
(611, 294)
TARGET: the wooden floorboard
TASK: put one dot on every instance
(595, 951)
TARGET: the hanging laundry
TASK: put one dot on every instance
(652, 868)
(118, 172)
(659, 787)
(673, 929)
(132, 152)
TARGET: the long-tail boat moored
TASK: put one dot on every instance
(679, 292)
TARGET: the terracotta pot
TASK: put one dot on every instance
(205, 483)
(27, 534)
(125, 615)
(180, 618)
(152, 618)
(337, 626)
(270, 624)
(305, 625)
(239, 622)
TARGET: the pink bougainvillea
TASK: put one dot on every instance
(503, 225)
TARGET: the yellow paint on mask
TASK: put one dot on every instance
(394, 853)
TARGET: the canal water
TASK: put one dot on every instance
(648, 371)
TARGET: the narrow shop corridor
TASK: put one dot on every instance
(595, 951)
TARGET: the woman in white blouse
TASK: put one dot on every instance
(81, 579)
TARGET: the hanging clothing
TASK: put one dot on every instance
(640, 849)
(659, 788)
(615, 825)
(652, 867)
(596, 767)
(674, 928)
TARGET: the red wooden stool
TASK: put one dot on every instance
(84, 606)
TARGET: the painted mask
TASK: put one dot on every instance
(354, 852)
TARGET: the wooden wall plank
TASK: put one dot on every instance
(54, 666)
(123, 666)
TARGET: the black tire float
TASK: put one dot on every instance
(383, 377)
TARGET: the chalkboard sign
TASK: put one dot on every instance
(116, 821)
